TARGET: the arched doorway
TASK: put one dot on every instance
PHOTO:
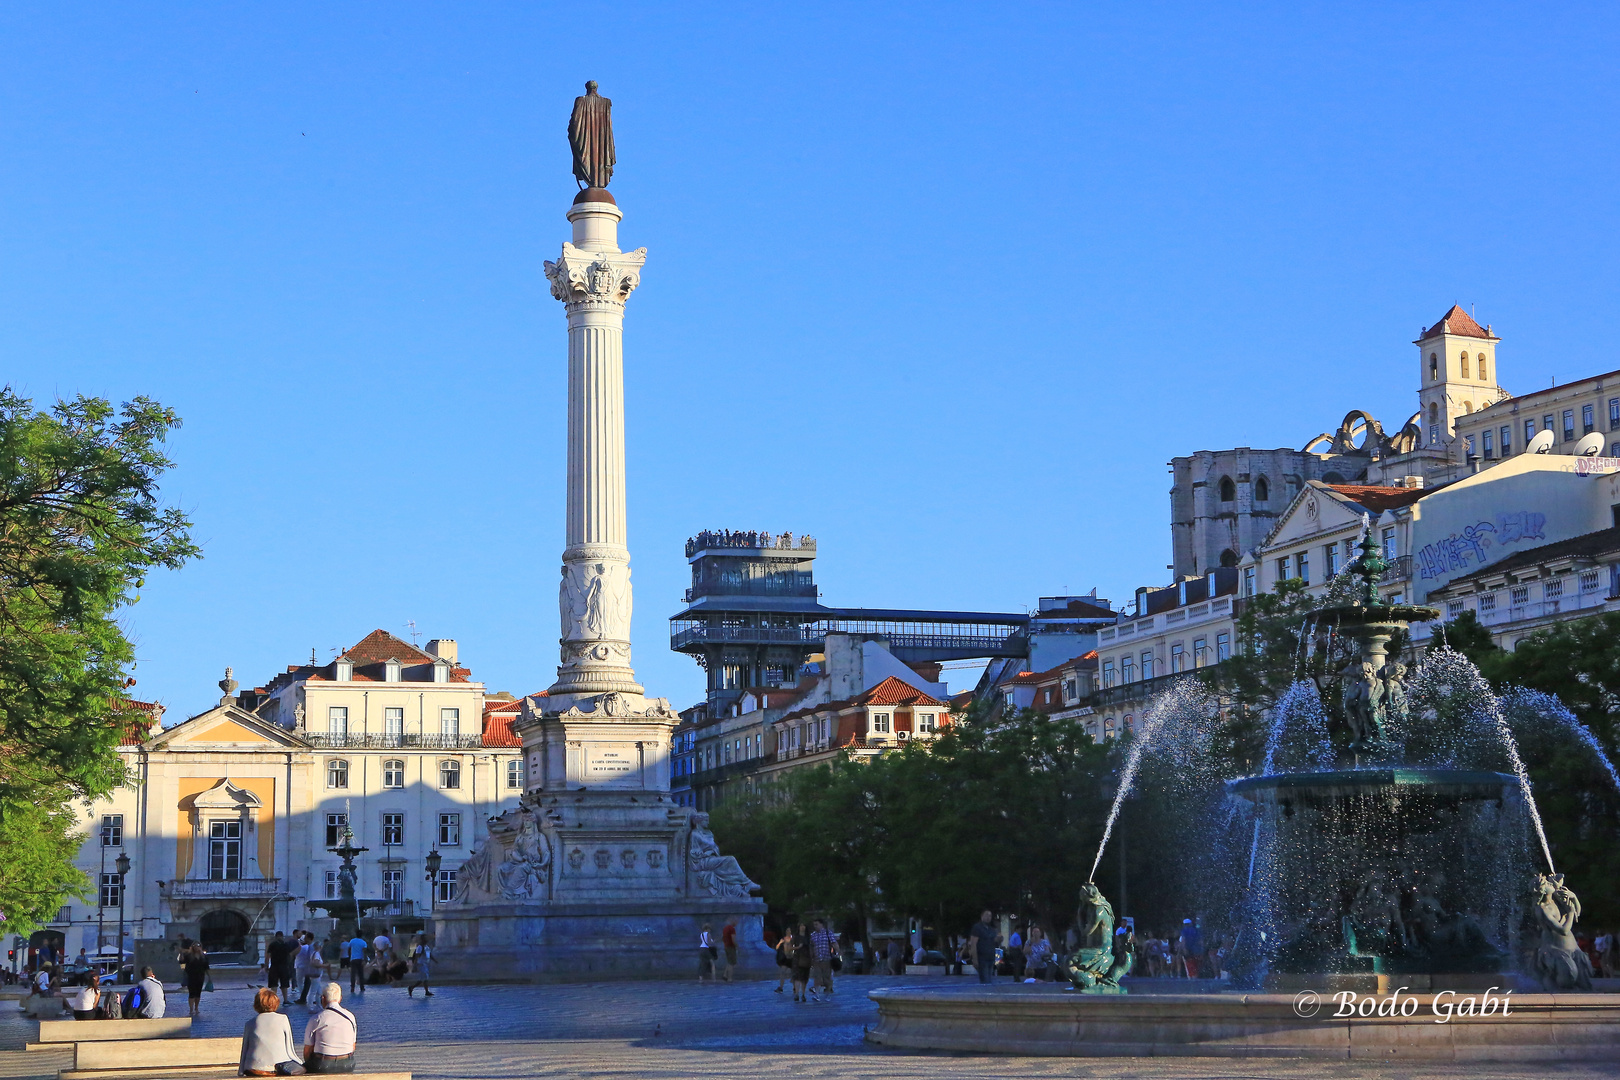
(223, 931)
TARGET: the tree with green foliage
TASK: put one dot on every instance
(1577, 662)
(81, 526)
(1004, 814)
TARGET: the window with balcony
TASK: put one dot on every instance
(1107, 674)
(449, 830)
(394, 723)
(1223, 647)
(1389, 545)
(1547, 422)
(1553, 588)
(1330, 560)
(224, 850)
(1178, 659)
(393, 773)
(1248, 581)
(514, 774)
(393, 830)
(1587, 426)
(1489, 443)
(1519, 595)
(337, 720)
(1569, 425)
(1529, 431)
(1487, 603)
(64, 915)
(1507, 440)
(112, 830)
(1468, 445)
(110, 890)
(447, 886)
(1589, 581)
(394, 885)
(1454, 608)
(1127, 670)
(450, 774)
(450, 722)
(1200, 652)
(1147, 665)
(1614, 413)
(334, 829)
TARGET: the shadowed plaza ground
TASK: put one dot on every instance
(665, 1029)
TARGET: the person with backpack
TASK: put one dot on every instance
(145, 1001)
(803, 959)
(422, 964)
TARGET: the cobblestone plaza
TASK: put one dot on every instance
(738, 1031)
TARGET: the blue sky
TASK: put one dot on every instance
(944, 285)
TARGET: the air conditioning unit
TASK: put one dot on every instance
(901, 734)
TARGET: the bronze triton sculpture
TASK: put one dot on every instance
(590, 136)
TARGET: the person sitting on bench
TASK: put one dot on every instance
(267, 1040)
(330, 1037)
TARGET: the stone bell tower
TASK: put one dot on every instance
(1458, 361)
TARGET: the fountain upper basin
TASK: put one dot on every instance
(1316, 788)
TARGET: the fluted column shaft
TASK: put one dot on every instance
(593, 278)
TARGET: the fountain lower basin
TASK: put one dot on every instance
(1043, 1020)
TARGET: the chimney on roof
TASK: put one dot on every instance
(444, 647)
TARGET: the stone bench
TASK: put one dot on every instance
(165, 1058)
(56, 1034)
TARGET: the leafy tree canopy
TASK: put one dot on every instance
(81, 525)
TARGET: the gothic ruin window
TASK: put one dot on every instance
(1228, 489)
(1262, 490)
(1465, 365)
(1229, 557)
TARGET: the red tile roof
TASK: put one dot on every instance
(1459, 323)
(380, 645)
(893, 691)
(1379, 499)
(498, 717)
(140, 717)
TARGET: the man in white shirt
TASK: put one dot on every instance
(330, 1037)
(382, 951)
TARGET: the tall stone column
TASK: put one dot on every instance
(593, 278)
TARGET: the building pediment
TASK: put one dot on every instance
(227, 796)
(1317, 509)
(227, 726)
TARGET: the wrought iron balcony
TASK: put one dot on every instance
(225, 889)
(1400, 569)
(355, 740)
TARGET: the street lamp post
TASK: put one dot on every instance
(101, 891)
(434, 860)
(122, 864)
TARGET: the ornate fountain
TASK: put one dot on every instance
(347, 909)
(1400, 864)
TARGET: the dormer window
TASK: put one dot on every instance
(441, 670)
(391, 671)
(345, 669)
(880, 722)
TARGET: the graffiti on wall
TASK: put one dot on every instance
(1466, 549)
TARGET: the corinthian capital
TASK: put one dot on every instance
(580, 276)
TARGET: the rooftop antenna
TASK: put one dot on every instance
(312, 659)
(416, 634)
